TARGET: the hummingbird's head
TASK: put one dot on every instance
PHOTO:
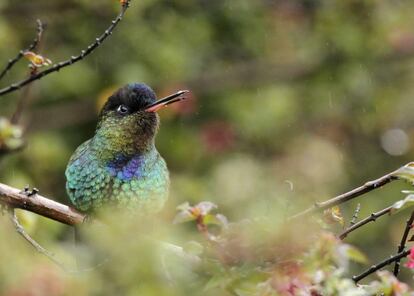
(128, 121)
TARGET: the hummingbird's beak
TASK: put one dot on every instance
(161, 103)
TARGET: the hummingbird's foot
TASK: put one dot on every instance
(26, 191)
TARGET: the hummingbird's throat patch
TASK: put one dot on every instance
(125, 168)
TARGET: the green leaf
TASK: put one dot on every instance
(217, 219)
(216, 281)
(11, 136)
(184, 207)
(193, 248)
(355, 255)
(403, 204)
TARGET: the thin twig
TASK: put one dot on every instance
(367, 187)
(35, 244)
(32, 46)
(40, 205)
(371, 218)
(380, 265)
(56, 67)
(355, 215)
(25, 96)
(43, 251)
(21, 104)
(37, 204)
(404, 237)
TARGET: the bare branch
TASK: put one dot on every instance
(367, 187)
(380, 265)
(33, 45)
(40, 205)
(355, 215)
(22, 103)
(25, 95)
(73, 59)
(371, 218)
(404, 237)
(27, 237)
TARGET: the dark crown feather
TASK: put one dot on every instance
(136, 96)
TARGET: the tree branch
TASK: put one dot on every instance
(10, 64)
(355, 215)
(371, 218)
(36, 245)
(40, 205)
(380, 265)
(367, 187)
(25, 95)
(73, 59)
(404, 237)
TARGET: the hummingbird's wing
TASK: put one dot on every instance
(88, 184)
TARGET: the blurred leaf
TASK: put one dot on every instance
(333, 215)
(10, 135)
(406, 173)
(217, 219)
(184, 216)
(193, 248)
(205, 207)
(403, 204)
(223, 220)
(388, 285)
(355, 255)
(184, 207)
(217, 280)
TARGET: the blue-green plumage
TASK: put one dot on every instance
(120, 165)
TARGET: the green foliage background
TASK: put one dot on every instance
(293, 101)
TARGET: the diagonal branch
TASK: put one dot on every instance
(73, 59)
(35, 244)
(355, 215)
(374, 268)
(404, 237)
(33, 45)
(25, 95)
(371, 218)
(367, 187)
(40, 205)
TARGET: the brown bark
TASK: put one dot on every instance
(41, 205)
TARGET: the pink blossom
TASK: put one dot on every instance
(410, 263)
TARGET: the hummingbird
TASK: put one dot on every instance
(120, 165)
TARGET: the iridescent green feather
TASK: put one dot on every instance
(91, 185)
(120, 165)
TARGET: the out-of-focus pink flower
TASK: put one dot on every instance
(291, 281)
(218, 136)
(410, 263)
(402, 41)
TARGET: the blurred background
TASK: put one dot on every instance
(293, 101)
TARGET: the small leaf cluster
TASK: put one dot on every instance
(253, 257)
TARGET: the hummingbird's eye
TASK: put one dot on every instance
(122, 109)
